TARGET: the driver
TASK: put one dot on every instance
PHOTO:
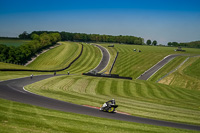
(108, 103)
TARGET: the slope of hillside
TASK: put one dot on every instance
(187, 76)
(57, 58)
(132, 63)
(139, 98)
(89, 59)
(11, 66)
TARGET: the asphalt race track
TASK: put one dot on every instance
(13, 90)
(105, 59)
(146, 75)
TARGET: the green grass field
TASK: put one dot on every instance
(186, 76)
(57, 58)
(11, 66)
(193, 69)
(23, 118)
(89, 59)
(133, 64)
(13, 42)
(139, 98)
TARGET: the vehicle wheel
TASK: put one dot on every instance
(111, 109)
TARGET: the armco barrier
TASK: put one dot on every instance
(113, 63)
(107, 75)
(47, 70)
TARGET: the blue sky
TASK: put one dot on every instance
(164, 21)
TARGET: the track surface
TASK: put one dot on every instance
(146, 75)
(105, 59)
(13, 90)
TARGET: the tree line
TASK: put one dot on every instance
(194, 44)
(83, 37)
(23, 53)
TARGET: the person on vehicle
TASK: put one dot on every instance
(31, 76)
(107, 104)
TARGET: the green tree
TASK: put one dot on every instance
(149, 42)
(35, 37)
(24, 35)
(154, 43)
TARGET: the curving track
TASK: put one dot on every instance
(105, 59)
(147, 74)
(13, 90)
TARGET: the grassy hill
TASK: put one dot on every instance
(139, 98)
(89, 59)
(133, 64)
(187, 76)
(57, 58)
(11, 66)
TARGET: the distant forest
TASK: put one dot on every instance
(23, 53)
(44, 39)
(194, 44)
(82, 37)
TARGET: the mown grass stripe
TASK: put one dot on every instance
(126, 89)
(113, 89)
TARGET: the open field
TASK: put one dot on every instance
(139, 98)
(186, 76)
(193, 69)
(13, 42)
(23, 118)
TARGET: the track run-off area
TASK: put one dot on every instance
(14, 90)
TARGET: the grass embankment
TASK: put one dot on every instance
(187, 76)
(139, 98)
(133, 64)
(11, 66)
(57, 58)
(173, 64)
(13, 42)
(23, 118)
(89, 59)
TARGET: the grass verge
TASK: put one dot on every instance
(23, 118)
(139, 98)
(186, 76)
(57, 58)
